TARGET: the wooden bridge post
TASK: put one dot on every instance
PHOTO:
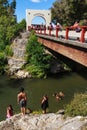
(82, 39)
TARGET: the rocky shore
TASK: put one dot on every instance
(48, 121)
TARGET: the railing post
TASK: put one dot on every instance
(82, 39)
(50, 29)
(57, 30)
(44, 30)
(67, 32)
(40, 30)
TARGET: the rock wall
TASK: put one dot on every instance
(48, 121)
(17, 60)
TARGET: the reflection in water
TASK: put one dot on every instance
(35, 88)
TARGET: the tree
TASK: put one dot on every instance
(7, 23)
(37, 59)
(68, 11)
(7, 8)
(12, 7)
(3, 7)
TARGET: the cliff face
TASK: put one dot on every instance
(18, 46)
(49, 121)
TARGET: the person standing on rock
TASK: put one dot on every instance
(22, 100)
(44, 104)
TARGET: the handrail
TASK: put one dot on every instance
(83, 31)
(44, 30)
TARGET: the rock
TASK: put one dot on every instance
(16, 62)
(22, 74)
(48, 121)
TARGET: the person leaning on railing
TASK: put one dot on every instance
(76, 26)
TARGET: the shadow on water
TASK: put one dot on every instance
(82, 71)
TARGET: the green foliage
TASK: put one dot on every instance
(9, 29)
(8, 50)
(36, 58)
(35, 71)
(7, 8)
(37, 112)
(20, 26)
(68, 11)
(78, 106)
(2, 61)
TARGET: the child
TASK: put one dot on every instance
(9, 111)
(44, 104)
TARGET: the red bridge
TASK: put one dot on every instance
(67, 42)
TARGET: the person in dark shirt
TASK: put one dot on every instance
(44, 104)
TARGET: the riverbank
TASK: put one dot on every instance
(48, 121)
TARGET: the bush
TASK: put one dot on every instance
(8, 50)
(78, 106)
(3, 61)
(38, 62)
(35, 71)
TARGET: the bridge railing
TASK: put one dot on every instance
(80, 36)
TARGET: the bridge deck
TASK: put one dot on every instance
(72, 49)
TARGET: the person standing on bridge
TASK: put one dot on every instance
(76, 26)
(60, 26)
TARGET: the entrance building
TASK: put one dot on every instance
(31, 14)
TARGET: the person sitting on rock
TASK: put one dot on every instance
(9, 111)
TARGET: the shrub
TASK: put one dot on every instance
(3, 61)
(38, 62)
(35, 71)
(8, 50)
(78, 105)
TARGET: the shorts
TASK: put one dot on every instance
(22, 103)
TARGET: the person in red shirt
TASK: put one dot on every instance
(9, 111)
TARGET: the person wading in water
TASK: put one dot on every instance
(22, 100)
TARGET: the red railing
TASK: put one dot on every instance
(57, 29)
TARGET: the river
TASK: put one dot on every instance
(69, 83)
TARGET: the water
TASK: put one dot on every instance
(35, 88)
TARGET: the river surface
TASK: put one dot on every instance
(70, 84)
